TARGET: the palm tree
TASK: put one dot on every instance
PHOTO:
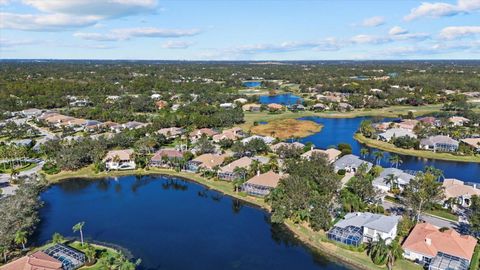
(391, 180)
(395, 252)
(21, 238)
(378, 251)
(57, 238)
(364, 152)
(378, 156)
(79, 228)
(395, 160)
(90, 253)
(273, 164)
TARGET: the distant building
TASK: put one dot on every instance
(228, 134)
(171, 132)
(473, 143)
(241, 100)
(228, 105)
(161, 104)
(265, 139)
(458, 120)
(462, 193)
(436, 250)
(350, 163)
(357, 228)
(120, 160)
(439, 143)
(252, 107)
(276, 147)
(275, 107)
(31, 113)
(262, 184)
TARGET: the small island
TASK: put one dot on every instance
(287, 128)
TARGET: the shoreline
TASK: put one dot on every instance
(313, 240)
(414, 153)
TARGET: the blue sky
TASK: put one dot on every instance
(239, 30)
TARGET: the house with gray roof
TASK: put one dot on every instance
(395, 133)
(357, 228)
(439, 143)
(350, 163)
(402, 179)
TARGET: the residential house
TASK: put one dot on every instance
(350, 163)
(156, 96)
(205, 161)
(396, 133)
(462, 193)
(31, 113)
(357, 228)
(241, 100)
(171, 132)
(265, 139)
(281, 145)
(252, 107)
(35, 261)
(330, 154)
(197, 134)
(429, 120)
(320, 107)
(161, 156)
(407, 124)
(81, 103)
(344, 107)
(228, 172)
(275, 107)
(439, 143)
(401, 179)
(161, 104)
(227, 105)
(473, 143)
(458, 120)
(439, 250)
(120, 160)
(262, 184)
(228, 134)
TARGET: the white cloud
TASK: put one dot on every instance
(453, 32)
(5, 43)
(397, 30)
(101, 8)
(369, 39)
(4, 2)
(174, 44)
(129, 33)
(441, 9)
(50, 22)
(373, 21)
(328, 44)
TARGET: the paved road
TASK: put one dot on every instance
(439, 222)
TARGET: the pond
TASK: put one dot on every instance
(285, 99)
(172, 223)
(252, 84)
(341, 130)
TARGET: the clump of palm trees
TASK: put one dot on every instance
(382, 253)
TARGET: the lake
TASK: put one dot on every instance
(341, 130)
(172, 223)
(285, 99)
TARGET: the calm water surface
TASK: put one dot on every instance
(341, 130)
(174, 224)
(285, 99)
(252, 84)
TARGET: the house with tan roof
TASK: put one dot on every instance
(437, 250)
(473, 143)
(228, 134)
(251, 107)
(229, 171)
(120, 160)
(275, 107)
(458, 120)
(330, 154)
(205, 161)
(439, 143)
(171, 132)
(262, 184)
(36, 261)
(197, 134)
(454, 188)
(285, 145)
(162, 156)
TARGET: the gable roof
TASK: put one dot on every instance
(426, 239)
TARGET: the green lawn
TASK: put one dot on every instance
(475, 263)
(443, 213)
(412, 152)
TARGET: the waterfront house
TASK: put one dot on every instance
(407, 124)
(357, 228)
(262, 184)
(396, 133)
(265, 139)
(462, 193)
(275, 107)
(350, 163)
(439, 250)
(320, 107)
(473, 143)
(228, 172)
(276, 147)
(252, 107)
(120, 160)
(35, 261)
(330, 154)
(205, 161)
(162, 156)
(401, 178)
(439, 143)
(458, 120)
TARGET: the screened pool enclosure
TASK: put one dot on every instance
(349, 235)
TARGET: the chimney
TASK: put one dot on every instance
(428, 241)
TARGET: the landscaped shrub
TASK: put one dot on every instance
(50, 168)
(341, 172)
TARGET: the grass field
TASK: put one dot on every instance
(442, 213)
(287, 128)
(411, 152)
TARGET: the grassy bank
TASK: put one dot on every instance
(287, 128)
(411, 152)
(393, 111)
(316, 240)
